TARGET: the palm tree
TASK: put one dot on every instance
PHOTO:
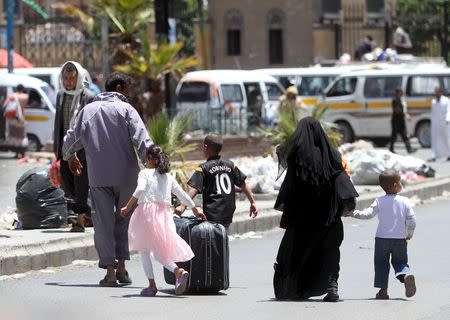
(288, 121)
(153, 63)
(127, 16)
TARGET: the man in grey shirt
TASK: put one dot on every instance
(109, 129)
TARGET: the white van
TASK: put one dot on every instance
(360, 101)
(229, 101)
(49, 75)
(312, 81)
(40, 118)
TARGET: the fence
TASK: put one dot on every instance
(223, 120)
(51, 43)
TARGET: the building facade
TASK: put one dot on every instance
(247, 34)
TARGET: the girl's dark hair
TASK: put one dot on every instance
(161, 158)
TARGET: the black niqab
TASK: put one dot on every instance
(308, 147)
(315, 182)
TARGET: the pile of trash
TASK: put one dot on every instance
(366, 163)
(261, 173)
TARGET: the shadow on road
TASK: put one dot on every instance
(57, 231)
(157, 296)
(86, 285)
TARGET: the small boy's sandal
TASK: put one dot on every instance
(410, 285)
(381, 296)
(123, 277)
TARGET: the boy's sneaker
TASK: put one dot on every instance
(382, 296)
(410, 285)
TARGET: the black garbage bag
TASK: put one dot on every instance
(39, 204)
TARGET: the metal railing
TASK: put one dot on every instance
(235, 122)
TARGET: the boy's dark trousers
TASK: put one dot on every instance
(76, 187)
(394, 250)
(399, 127)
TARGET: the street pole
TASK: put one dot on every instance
(105, 47)
(162, 30)
(202, 34)
(10, 35)
(445, 40)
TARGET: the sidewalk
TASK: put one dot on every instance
(25, 250)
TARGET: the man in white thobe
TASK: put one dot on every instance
(440, 126)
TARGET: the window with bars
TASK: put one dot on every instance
(233, 42)
(275, 46)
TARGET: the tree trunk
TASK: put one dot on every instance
(156, 101)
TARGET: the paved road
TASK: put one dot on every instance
(71, 292)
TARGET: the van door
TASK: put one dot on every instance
(271, 103)
(344, 107)
(40, 119)
(233, 116)
(255, 102)
(196, 96)
(378, 94)
(419, 93)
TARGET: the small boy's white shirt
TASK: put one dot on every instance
(396, 218)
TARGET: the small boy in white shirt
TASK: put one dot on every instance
(396, 225)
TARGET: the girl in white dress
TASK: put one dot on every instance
(152, 229)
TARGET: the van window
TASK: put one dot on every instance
(381, 87)
(35, 100)
(286, 81)
(194, 91)
(273, 91)
(43, 77)
(342, 87)
(446, 84)
(51, 94)
(313, 86)
(232, 92)
(422, 85)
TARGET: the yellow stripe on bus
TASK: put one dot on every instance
(343, 105)
(419, 104)
(36, 118)
(309, 101)
(380, 104)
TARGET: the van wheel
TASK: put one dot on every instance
(346, 131)
(34, 145)
(423, 134)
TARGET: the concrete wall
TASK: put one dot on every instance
(297, 33)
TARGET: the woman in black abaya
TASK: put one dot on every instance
(313, 196)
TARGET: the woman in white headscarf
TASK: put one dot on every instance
(72, 97)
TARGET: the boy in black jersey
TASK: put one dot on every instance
(216, 180)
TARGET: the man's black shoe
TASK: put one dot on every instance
(331, 296)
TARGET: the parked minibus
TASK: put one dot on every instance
(360, 101)
(229, 101)
(40, 116)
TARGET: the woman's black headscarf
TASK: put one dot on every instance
(316, 160)
(312, 161)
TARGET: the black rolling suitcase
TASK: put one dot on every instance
(208, 270)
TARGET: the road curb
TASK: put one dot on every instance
(63, 251)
